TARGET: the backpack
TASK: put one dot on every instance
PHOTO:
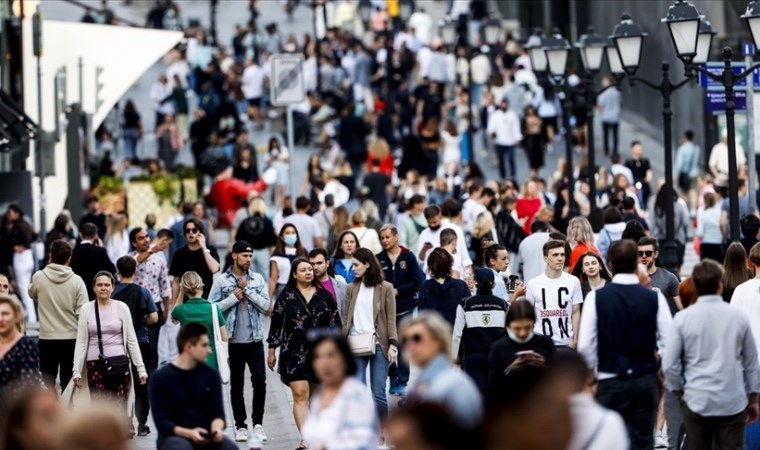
(257, 231)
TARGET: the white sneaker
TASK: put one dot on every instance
(241, 435)
(660, 440)
(258, 430)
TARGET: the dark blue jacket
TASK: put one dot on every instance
(444, 297)
(405, 276)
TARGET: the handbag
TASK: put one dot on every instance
(113, 368)
(222, 351)
(363, 344)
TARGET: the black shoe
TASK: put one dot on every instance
(143, 430)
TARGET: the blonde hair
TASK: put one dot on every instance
(116, 224)
(483, 225)
(18, 310)
(191, 283)
(438, 327)
(358, 218)
(89, 428)
(379, 149)
(257, 205)
(579, 230)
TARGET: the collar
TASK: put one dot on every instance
(436, 366)
(86, 241)
(710, 299)
(196, 300)
(625, 278)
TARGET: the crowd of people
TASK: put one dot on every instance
(406, 298)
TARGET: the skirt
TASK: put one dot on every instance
(115, 388)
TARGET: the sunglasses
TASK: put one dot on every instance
(191, 230)
(646, 253)
(415, 338)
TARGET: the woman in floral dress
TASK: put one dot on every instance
(302, 306)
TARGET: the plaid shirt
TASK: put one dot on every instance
(153, 275)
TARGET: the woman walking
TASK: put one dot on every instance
(592, 272)
(197, 309)
(342, 261)
(581, 238)
(371, 311)
(441, 292)
(106, 347)
(302, 306)
(16, 236)
(287, 248)
(19, 357)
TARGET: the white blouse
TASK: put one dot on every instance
(364, 320)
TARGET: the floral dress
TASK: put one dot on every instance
(21, 364)
(293, 317)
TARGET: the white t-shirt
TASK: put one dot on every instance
(283, 265)
(253, 82)
(308, 229)
(434, 237)
(531, 253)
(554, 299)
(746, 297)
(364, 318)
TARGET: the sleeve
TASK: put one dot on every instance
(587, 336)
(278, 320)
(529, 295)
(166, 286)
(80, 347)
(750, 361)
(459, 325)
(175, 268)
(149, 306)
(390, 313)
(176, 313)
(159, 392)
(410, 284)
(578, 292)
(423, 300)
(81, 299)
(32, 290)
(257, 294)
(214, 253)
(215, 296)
(29, 371)
(672, 366)
(132, 347)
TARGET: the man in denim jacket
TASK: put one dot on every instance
(242, 296)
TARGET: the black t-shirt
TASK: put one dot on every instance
(140, 304)
(99, 220)
(638, 167)
(185, 260)
(376, 183)
(504, 352)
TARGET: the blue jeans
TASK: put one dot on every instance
(378, 372)
(508, 152)
(131, 136)
(261, 262)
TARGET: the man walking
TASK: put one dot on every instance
(242, 296)
(195, 256)
(334, 285)
(89, 257)
(186, 394)
(504, 126)
(400, 268)
(144, 313)
(711, 362)
(308, 228)
(663, 281)
(621, 327)
(557, 297)
(60, 294)
(152, 273)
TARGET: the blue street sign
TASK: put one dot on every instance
(715, 101)
(717, 68)
(748, 49)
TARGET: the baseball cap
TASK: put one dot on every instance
(242, 247)
(483, 276)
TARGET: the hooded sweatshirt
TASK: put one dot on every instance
(60, 295)
(443, 297)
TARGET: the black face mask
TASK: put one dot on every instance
(435, 228)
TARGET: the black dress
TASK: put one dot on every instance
(293, 317)
(21, 365)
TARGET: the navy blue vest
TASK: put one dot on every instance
(627, 329)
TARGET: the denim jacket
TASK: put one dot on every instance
(222, 292)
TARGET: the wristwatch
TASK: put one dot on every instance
(207, 251)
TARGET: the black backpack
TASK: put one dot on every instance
(258, 231)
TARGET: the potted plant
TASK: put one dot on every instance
(110, 191)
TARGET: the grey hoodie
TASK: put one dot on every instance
(60, 295)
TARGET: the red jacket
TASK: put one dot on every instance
(228, 195)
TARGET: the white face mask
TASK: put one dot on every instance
(514, 337)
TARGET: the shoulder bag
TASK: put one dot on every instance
(222, 351)
(113, 368)
(363, 344)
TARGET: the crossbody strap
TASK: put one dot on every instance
(97, 323)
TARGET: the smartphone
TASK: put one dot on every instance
(207, 435)
(525, 353)
(512, 283)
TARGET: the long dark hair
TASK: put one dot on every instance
(338, 253)
(279, 247)
(292, 276)
(374, 273)
(735, 266)
(604, 272)
(340, 343)
(660, 201)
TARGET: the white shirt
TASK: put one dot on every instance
(308, 229)
(481, 69)
(594, 426)
(456, 265)
(253, 82)
(434, 237)
(158, 93)
(719, 157)
(746, 297)
(587, 335)
(423, 25)
(554, 299)
(506, 126)
(364, 320)
(531, 253)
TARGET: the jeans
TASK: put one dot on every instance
(502, 152)
(55, 355)
(378, 372)
(610, 131)
(476, 366)
(131, 136)
(178, 443)
(151, 363)
(142, 403)
(399, 373)
(260, 262)
(636, 400)
(252, 355)
(713, 433)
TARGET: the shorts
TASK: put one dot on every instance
(256, 102)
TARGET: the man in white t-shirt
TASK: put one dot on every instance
(747, 295)
(252, 85)
(431, 237)
(309, 231)
(530, 252)
(557, 298)
(449, 242)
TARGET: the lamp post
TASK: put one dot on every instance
(684, 21)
